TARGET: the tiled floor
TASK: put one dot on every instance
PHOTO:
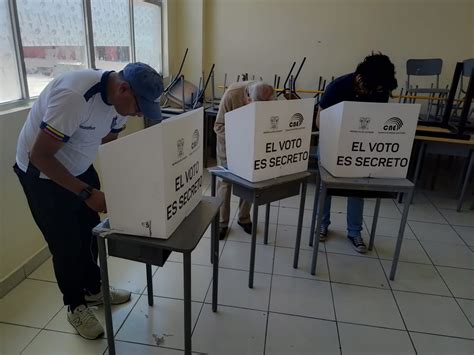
(348, 307)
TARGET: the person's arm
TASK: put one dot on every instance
(224, 106)
(42, 156)
(110, 137)
(318, 111)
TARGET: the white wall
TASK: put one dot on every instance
(264, 37)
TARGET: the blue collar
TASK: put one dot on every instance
(103, 86)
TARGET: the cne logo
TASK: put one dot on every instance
(393, 124)
(195, 139)
(296, 120)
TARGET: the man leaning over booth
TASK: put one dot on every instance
(60, 139)
(373, 81)
(237, 95)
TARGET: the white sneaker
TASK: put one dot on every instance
(85, 322)
(117, 296)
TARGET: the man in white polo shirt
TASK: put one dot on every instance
(59, 141)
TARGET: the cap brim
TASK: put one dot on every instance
(150, 110)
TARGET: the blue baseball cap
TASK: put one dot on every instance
(147, 85)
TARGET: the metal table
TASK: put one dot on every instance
(326, 184)
(263, 193)
(154, 251)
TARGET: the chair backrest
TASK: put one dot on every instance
(424, 67)
(467, 67)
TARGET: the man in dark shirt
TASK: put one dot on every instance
(373, 81)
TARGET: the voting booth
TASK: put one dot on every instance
(269, 139)
(361, 139)
(152, 179)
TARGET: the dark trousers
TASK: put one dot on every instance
(66, 224)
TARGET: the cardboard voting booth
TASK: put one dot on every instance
(268, 139)
(152, 179)
(361, 139)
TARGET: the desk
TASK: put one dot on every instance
(452, 147)
(154, 251)
(210, 115)
(263, 193)
(326, 184)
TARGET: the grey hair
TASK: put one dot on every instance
(260, 91)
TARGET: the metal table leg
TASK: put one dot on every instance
(315, 210)
(215, 265)
(300, 225)
(466, 180)
(254, 242)
(267, 218)
(421, 156)
(322, 199)
(187, 302)
(104, 273)
(401, 232)
(374, 223)
(149, 284)
(214, 235)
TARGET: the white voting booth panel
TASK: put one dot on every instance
(361, 139)
(268, 139)
(152, 179)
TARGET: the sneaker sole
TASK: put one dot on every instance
(83, 336)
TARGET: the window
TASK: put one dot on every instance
(111, 27)
(53, 38)
(10, 88)
(147, 27)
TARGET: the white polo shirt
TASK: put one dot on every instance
(73, 109)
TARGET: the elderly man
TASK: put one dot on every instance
(237, 95)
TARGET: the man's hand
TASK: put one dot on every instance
(96, 201)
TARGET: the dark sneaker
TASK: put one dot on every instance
(247, 227)
(358, 244)
(222, 232)
(85, 322)
(323, 234)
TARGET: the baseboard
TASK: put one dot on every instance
(22, 272)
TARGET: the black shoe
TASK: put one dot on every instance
(222, 232)
(358, 244)
(323, 234)
(247, 227)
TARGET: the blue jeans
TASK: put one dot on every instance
(355, 208)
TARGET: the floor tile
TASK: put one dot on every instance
(442, 233)
(261, 214)
(14, 338)
(289, 217)
(387, 209)
(388, 227)
(364, 305)
(237, 256)
(124, 348)
(283, 264)
(294, 202)
(286, 237)
(233, 290)
(126, 274)
(201, 255)
(297, 335)
(462, 218)
(379, 340)
(426, 344)
(338, 204)
(237, 234)
(162, 323)
(19, 307)
(45, 272)
(416, 278)
(466, 233)
(356, 270)
(230, 331)
(450, 255)
(337, 242)
(168, 281)
(302, 297)
(119, 313)
(411, 251)
(52, 343)
(424, 213)
(433, 314)
(468, 308)
(459, 281)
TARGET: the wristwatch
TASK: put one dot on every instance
(86, 193)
